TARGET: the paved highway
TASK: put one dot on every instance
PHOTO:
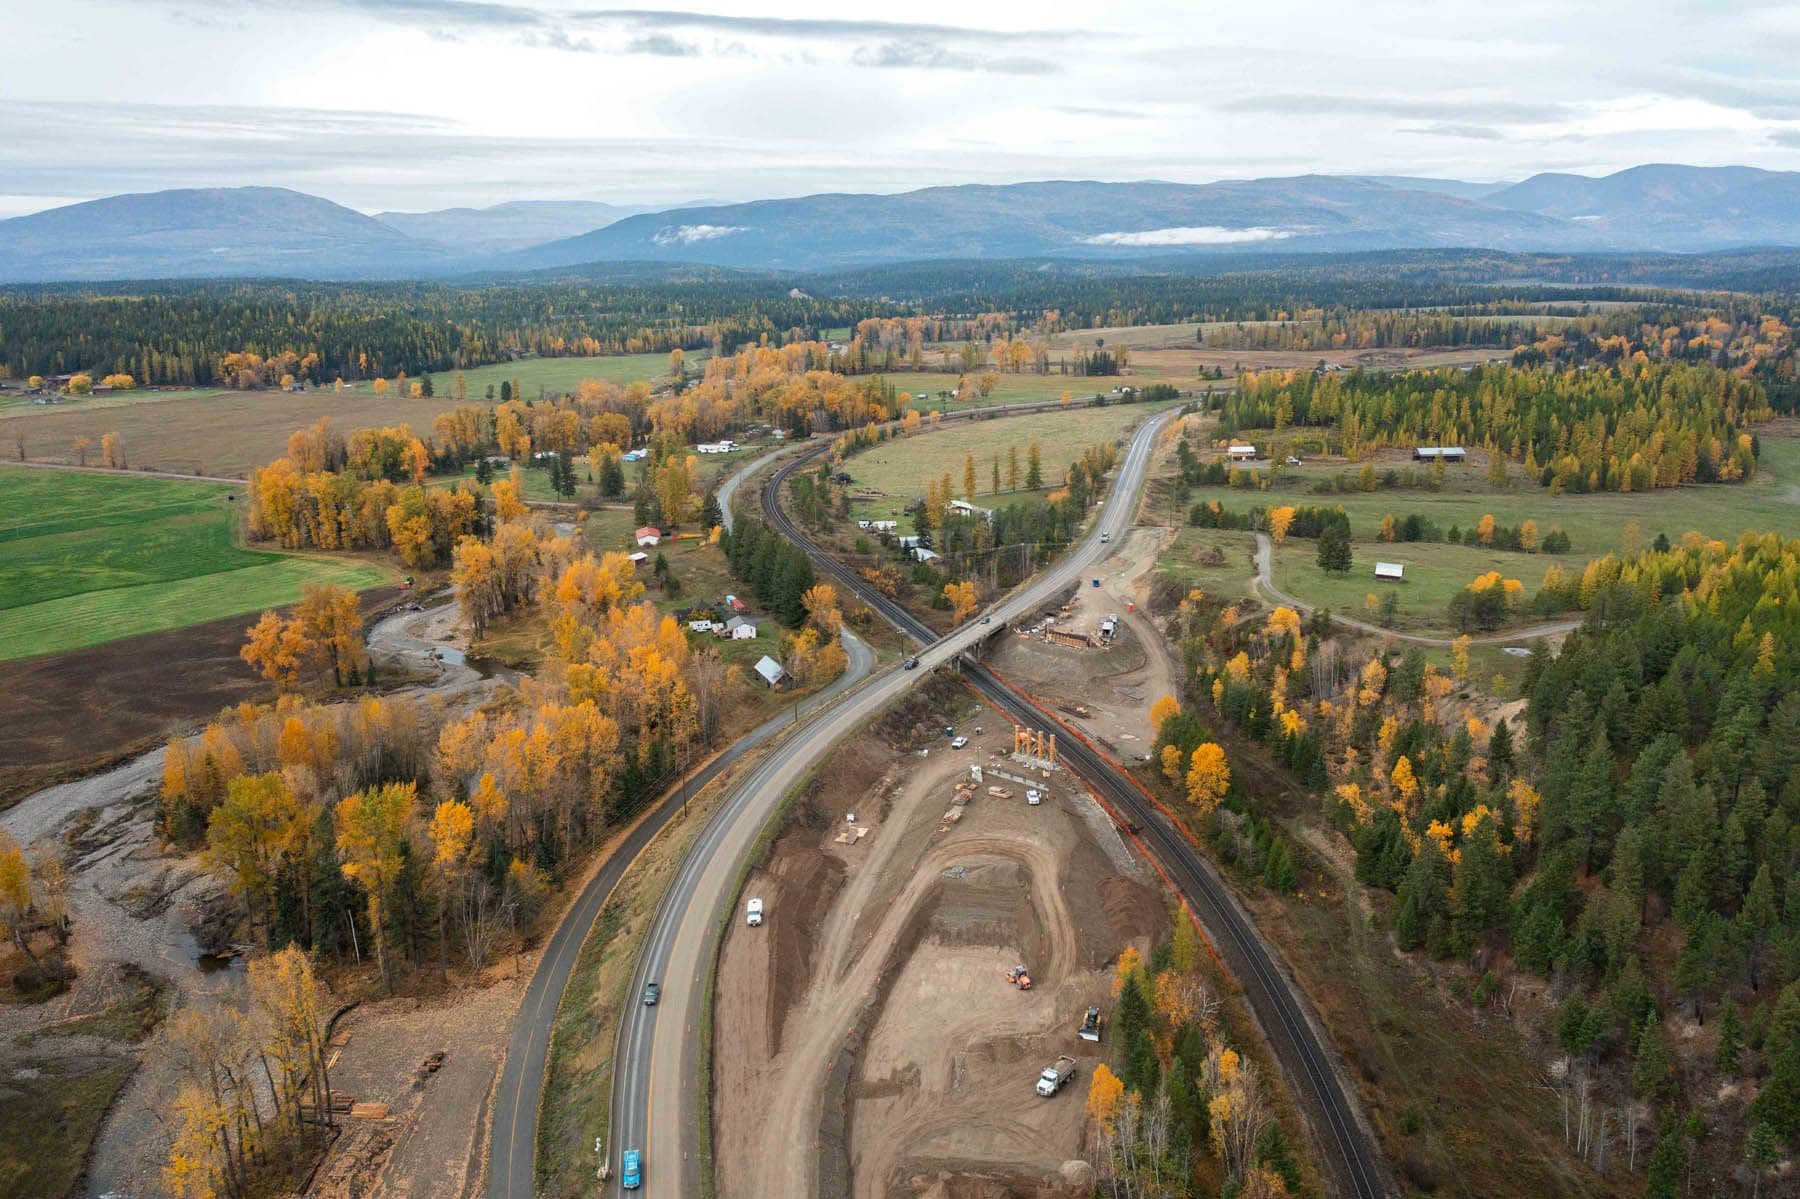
(514, 1136)
(1308, 1062)
(655, 1081)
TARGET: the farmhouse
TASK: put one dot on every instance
(738, 629)
(965, 508)
(1440, 453)
(770, 671)
(648, 535)
(1241, 453)
(1390, 572)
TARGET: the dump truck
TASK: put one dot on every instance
(1090, 1025)
(1056, 1075)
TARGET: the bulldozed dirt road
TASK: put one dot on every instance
(867, 1040)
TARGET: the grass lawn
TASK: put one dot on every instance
(1016, 389)
(1189, 560)
(893, 474)
(92, 558)
(53, 1118)
(1596, 525)
(562, 374)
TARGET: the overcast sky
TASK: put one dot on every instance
(432, 103)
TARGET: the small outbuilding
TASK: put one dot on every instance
(1390, 572)
(965, 508)
(1241, 453)
(1440, 453)
(770, 671)
(648, 535)
(638, 559)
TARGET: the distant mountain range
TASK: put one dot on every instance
(276, 232)
(513, 226)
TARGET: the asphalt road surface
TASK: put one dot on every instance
(1308, 1062)
(655, 1090)
(513, 1143)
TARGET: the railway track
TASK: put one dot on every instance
(1271, 994)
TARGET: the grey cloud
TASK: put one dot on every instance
(925, 55)
(662, 46)
(557, 39)
(1305, 104)
(1486, 133)
(1786, 137)
(1115, 114)
(494, 14)
(148, 147)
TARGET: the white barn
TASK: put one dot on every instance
(1390, 572)
(770, 671)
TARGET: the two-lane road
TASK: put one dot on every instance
(655, 1091)
(513, 1143)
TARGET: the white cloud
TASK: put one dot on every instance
(1188, 235)
(687, 235)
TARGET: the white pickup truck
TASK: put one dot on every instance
(753, 912)
(1055, 1075)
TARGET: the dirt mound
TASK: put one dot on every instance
(988, 903)
(947, 1181)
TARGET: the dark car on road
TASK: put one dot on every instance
(652, 993)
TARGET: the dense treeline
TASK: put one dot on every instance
(1629, 428)
(1635, 838)
(181, 332)
(778, 572)
(1178, 1112)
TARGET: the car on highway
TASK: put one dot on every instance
(631, 1170)
(987, 620)
(652, 993)
(912, 663)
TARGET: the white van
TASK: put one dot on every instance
(753, 913)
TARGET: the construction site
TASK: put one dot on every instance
(943, 906)
(1095, 656)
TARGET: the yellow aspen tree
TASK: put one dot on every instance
(962, 600)
(1208, 777)
(1280, 521)
(1105, 1092)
